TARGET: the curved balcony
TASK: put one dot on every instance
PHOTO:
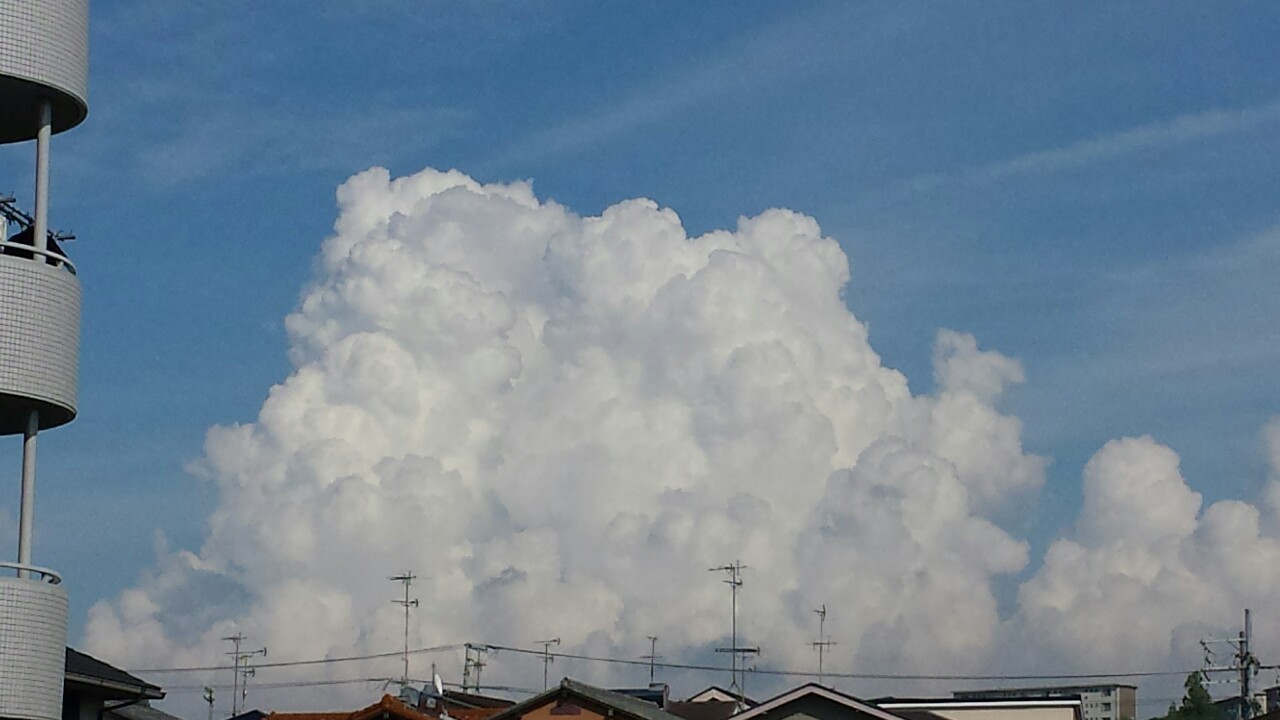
(33, 641)
(39, 337)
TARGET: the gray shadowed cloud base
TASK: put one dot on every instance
(561, 422)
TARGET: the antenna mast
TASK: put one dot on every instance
(734, 582)
(822, 643)
(240, 692)
(407, 579)
(653, 655)
(547, 658)
(470, 664)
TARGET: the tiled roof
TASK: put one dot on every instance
(139, 711)
(475, 700)
(474, 713)
(702, 709)
(811, 690)
(624, 705)
(393, 707)
(309, 715)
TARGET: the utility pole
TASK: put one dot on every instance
(822, 643)
(734, 582)
(208, 697)
(1246, 661)
(407, 579)
(1243, 664)
(235, 641)
(547, 658)
(240, 692)
(653, 655)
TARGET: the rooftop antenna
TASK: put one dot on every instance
(240, 693)
(547, 657)
(734, 581)
(822, 643)
(407, 578)
(653, 655)
(473, 661)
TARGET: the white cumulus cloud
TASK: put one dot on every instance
(560, 422)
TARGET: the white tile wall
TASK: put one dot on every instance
(39, 332)
(46, 41)
(33, 641)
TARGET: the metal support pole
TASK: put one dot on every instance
(26, 515)
(1246, 668)
(41, 239)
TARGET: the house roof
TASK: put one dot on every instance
(715, 692)
(475, 700)
(138, 711)
(816, 690)
(87, 670)
(620, 704)
(387, 707)
(701, 709)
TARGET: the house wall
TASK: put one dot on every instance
(818, 708)
(79, 707)
(548, 712)
(1013, 713)
(1098, 702)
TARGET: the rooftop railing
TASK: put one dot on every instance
(28, 571)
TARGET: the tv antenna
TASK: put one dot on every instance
(547, 657)
(822, 643)
(473, 661)
(407, 578)
(734, 581)
(653, 655)
(240, 668)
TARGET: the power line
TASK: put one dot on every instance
(347, 681)
(296, 663)
(847, 675)
(646, 662)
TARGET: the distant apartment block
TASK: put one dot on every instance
(1100, 702)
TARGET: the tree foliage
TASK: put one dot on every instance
(1196, 702)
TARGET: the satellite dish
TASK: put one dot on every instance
(439, 684)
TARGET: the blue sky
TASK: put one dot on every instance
(1091, 189)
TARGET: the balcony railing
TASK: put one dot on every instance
(27, 571)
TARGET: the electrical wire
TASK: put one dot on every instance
(347, 681)
(848, 675)
(631, 662)
(299, 663)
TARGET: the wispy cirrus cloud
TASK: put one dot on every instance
(1180, 130)
(783, 52)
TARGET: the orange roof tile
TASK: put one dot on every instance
(393, 707)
